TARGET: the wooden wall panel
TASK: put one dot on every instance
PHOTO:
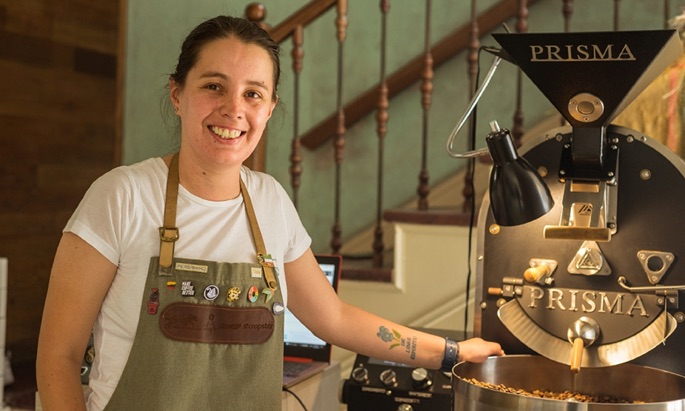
(58, 105)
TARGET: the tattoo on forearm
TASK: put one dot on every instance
(396, 340)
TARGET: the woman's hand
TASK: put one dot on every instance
(478, 350)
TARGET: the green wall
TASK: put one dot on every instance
(156, 30)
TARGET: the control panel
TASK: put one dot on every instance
(376, 385)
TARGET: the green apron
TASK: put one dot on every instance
(210, 336)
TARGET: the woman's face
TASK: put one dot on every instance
(226, 102)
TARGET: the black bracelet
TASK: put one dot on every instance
(451, 355)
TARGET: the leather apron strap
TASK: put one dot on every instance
(263, 258)
(169, 233)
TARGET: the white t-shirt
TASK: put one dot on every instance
(120, 216)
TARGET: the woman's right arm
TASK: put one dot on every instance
(79, 281)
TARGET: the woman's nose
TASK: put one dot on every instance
(231, 106)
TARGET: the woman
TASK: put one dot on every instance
(223, 249)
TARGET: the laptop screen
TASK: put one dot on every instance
(299, 341)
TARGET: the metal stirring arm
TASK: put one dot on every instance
(624, 284)
(666, 288)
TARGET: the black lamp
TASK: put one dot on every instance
(518, 193)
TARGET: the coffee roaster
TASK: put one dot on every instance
(589, 295)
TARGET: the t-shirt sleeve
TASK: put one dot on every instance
(100, 218)
(298, 239)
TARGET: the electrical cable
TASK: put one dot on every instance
(472, 170)
(296, 397)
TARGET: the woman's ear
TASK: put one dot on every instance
(174, 91)
(274, 103)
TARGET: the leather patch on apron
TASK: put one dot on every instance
(214, 324)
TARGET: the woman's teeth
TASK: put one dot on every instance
(226, 133)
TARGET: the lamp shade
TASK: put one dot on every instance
(518, 194)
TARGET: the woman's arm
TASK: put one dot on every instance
(79, 281)
(316, 304)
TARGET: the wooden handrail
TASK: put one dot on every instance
(305, 15)
(446, 49)
(302, 17)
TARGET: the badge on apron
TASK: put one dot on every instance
(253, 294)
(268, 293)
(256, 272)
(278, 308)
(187, 289)
(266, 260)
(153, 302)
(211, 292)
(233, 294)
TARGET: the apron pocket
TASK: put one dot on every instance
(215, 324)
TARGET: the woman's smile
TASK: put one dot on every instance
(226, 133)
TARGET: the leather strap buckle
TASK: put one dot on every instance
(168, 234)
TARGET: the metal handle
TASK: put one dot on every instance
(577, 355)
(624, 284)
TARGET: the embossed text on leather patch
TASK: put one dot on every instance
(215, 324)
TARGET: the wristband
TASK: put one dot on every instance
(451, 355)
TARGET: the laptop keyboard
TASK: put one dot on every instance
(291, 368)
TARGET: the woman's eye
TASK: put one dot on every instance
(253, 94)
(213, 87)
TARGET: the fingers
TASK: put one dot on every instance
(477, 350)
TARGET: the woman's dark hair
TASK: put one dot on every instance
(225, 27)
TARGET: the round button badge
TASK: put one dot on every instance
(252, 294)
(278, 308)
(233, 294)
(211, 292)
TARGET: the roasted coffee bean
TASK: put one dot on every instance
(562, 396)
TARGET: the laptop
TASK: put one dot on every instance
(304, 353)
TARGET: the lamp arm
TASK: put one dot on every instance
(469, 109)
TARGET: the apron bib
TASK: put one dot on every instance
(210, 334)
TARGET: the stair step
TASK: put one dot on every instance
(360, 268)
(433, 216)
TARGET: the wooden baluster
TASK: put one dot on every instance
(567, 11)
(426, 100)
(381, 129)
(472, 61)
(339, 140)
(521, 27)
(295, 156)
(617, 8)
(256, 13)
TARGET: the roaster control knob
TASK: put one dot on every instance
(420, 379)
(389, 378)
(360, 375)
(405, 407)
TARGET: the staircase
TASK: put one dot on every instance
(368, 254)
